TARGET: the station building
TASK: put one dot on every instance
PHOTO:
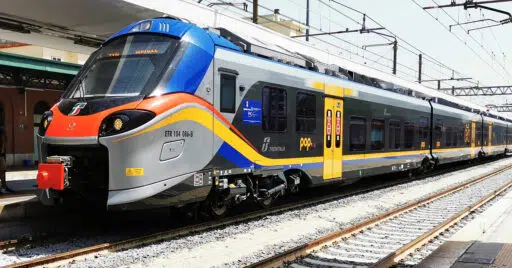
(29, 86)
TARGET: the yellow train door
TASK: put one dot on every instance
(333, 138)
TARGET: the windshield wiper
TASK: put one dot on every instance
(81, 89)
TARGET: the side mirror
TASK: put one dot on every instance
(242, 88)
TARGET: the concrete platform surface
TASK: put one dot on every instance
(23, 181)
(493, 225)
(23, 203)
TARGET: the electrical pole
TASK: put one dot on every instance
(255, 11)
(419, 67)
(307, 20)
(395, 48)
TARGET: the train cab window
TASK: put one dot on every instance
(394, 134)
(227, 93)
(357, 134)
(377, 135)
(305, 118)
(423, 128)
(274, 109)
(408, 135)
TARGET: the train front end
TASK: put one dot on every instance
(113, 139)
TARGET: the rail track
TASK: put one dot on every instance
(139, 241)
(387, 239)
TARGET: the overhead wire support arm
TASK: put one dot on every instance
(453, 4)
(337, 32)
(470, 22)
(244, 5)
(448, 79)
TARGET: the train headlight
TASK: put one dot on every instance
(45, 122)
(118, 124)
(123, 121)
(142, 26)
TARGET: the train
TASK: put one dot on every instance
(169, 114)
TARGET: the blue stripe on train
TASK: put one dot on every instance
(241, 161)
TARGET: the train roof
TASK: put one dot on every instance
(333, 65)
(176, 28)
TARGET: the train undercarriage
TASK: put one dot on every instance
(259, 189)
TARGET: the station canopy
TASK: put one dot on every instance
(71, 25)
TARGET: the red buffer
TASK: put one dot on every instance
(50, 176)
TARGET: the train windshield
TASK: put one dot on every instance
(128, 66)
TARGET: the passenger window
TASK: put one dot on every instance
(274, 109)
(377, 135)
(408, 135)
(449, 138)
(305, 121)
(455, 136)
(227, 93)
(486, 134)
(478, 134)
(357, 134)
(438, 126)
(394, 134)
(423, 128)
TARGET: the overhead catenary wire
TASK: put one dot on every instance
(462, 41)
(324, 41)
(476, 41)
(367, 56)
(427, 58)
(402, 41)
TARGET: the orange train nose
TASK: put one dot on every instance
(50, 176)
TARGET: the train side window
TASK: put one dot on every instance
(227, 93)
(478, 135)
(485, 134)
(408, 135)
(377, 135)
(438, 126)
(455, 136)
(274, 109)
(305, 118)
(394, 134)
(423, 128)
(449, 138)
(357, 134)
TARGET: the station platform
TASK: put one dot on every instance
(486, 241)
(21, 181)
(22, 203)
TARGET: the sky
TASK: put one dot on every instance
(483, 55)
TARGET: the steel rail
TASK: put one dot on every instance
(182, 231)
(317, 244)
(187, 230)
(401, 253)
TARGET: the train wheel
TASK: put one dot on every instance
(218, 206)
(266, 202)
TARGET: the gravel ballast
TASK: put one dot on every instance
(242, 244)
